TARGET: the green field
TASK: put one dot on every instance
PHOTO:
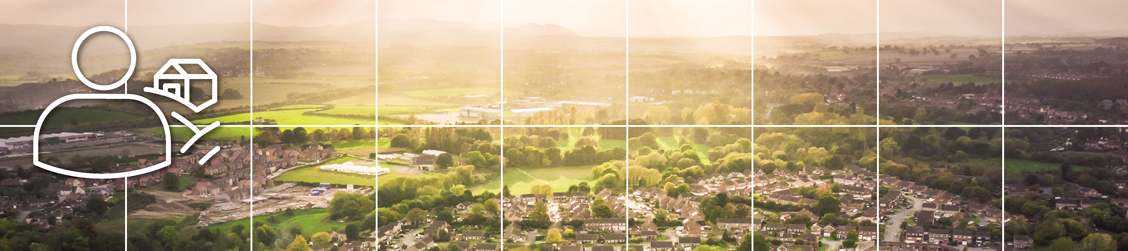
(454, 92)
(959, 79)
(351, 110)
(339, 145)
(521, 180)
(288, 117)
(313, 174)
(1026, 165)
(312, 220)
(61, 117)
(183, 133)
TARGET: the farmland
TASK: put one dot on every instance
(1032, 166)
(521, 180)
(312, 220)
(312, 174)
(959, 79)
(61, 117)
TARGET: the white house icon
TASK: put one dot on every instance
(182, 92)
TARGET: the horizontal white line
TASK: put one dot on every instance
(627, 126)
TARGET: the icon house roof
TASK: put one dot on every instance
(182, 92)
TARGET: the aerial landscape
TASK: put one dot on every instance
(586, 125)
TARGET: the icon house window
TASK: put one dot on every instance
(176, 85)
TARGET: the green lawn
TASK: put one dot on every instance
(1026, 165)
(959, 79)
(61, 117)
(313, 174)
(454, 92)
(520, 181)
(183, 133)
(312, 220)
(354, 144)
(186, 181)
(288, 117)
(367, 110)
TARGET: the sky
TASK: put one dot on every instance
(815, 17)
(975, 18)
(647, 18)
(307, 13)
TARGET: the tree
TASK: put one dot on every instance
(321, 238)
(171, 182)
(351, 206)
(1098, 242)
(299, 244)
(416, 215)
(760, 243)
(539, 215)
(266, 234)
(553, 236)
(170, 235)
(352, 232)
(1062, 244)
(541, 189)
(851, 239)
(444, 160)
(828, 204)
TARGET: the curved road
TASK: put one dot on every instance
(893, 225)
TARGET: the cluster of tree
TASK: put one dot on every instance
(1046, 225)
(484, 212)
(788, 96)
(722, 206)
(690, 86)
(912, 154)
(299, 136)
(795, 149)
(430, 188)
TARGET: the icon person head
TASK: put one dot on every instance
(132, 58)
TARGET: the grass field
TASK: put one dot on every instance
(521, 180)
(351, 110)
(354, 144)
(959, 79)
(61, 117)
(183, 133)
(288, 117)
(454, 92)
(1026, 165)
(312, 220)
(313, 174)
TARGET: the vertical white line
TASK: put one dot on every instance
(126, 189)
(1003, 118)
(877, 186)
(752, 121)
(877, 63)
(376, 187)
(501, 106)
(251, 145)
(627, 103)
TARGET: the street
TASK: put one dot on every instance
(893, 225)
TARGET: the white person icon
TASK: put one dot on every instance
(125, 96)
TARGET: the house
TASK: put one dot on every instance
(938, 236)
(587, 238)
(924, 218)
(868, 233)
(603, 248)
(734, 223)
(796, 228)
(611, 224)
(689, 242)
(914, 235)
(473, 235)
(661, 246)
(982, 238)
(1023, 242)
(615, 238)
(645, 234)
(962, 237)
(486, 247)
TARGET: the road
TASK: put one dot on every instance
(831, 245)
(893, 225)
